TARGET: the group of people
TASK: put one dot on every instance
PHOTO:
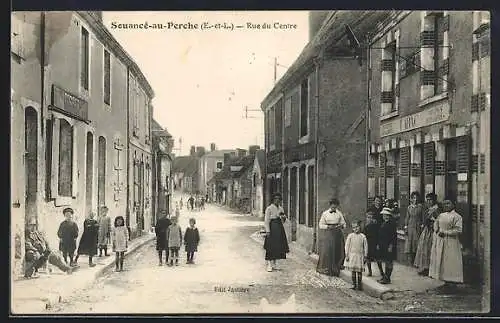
(96, 236)
(432, 239)
(197, 203)
(169, 238)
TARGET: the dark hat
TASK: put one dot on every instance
(277, 195)
(68, 209)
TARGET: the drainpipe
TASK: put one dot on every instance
(316, 144)
(42, 69)
(127, 211)
(368, 109)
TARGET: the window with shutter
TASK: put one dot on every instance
(429, 157)
(288, 112)
(84, 59)
(107, 77)
(304, 107)
(65, 184)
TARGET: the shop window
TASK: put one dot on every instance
(65, 184)
(302, 195)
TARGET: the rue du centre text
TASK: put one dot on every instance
(205, 25)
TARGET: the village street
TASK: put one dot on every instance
(227, 258)
(229, 277)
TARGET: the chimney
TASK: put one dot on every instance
(213, 147)
(227, 157)
(192, 151)
(200, 151)
(253, 149)
(316, 19)
(241, 152)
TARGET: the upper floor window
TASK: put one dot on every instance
(304, 108)
(288, 112)
(389, 79)
(84, 59)
(107, 77)
(219, 165)
(272, 128)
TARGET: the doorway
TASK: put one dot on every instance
(31, 161)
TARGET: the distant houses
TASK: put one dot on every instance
(228, 177)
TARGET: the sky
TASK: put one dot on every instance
(203, 79)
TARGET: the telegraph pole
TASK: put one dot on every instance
(275, 68)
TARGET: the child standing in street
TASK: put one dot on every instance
(120, 241)
(356, 251)
(371, 233)
(174, 241)
(191, 240)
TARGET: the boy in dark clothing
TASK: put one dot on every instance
(387, 241)
(191, 240)
(161, 236)
(371, 232)
(67, 233)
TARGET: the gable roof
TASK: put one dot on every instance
(185, 164)
(246, 162)
(158, 130)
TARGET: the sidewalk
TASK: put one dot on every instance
(34, 296)
(404, 278)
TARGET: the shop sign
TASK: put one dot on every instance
(69, 103)
(429, 116)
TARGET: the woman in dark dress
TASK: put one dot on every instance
(161, 236)
(88, 241)
(275, 243)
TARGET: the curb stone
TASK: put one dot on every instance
(53, 299)
(370, 287)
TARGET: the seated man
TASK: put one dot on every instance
(38, 252)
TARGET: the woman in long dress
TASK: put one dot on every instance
(331, 241)
(446, 262)
(413, 222)
(423, 256)
(275, 243)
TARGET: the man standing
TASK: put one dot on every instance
(161, 236)
(38, 252)
(67, 233)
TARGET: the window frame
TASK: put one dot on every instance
(109, 77)
(304, 138)
(85, 88)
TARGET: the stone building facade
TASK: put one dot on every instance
(316, 127)
(429, 115)
(69, 76)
